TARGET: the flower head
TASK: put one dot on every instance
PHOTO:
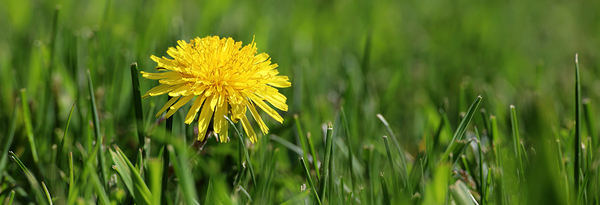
(225, 79)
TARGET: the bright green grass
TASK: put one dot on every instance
(392, 102)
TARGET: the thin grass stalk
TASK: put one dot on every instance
(326, 172)
(482, 185)
(63, 140)
(350, 150)
(577, 143)
(239, 134)
(400, 152)
(462, 128)
(313, 153)
(11, 197)
(300, 133)
(310, 181)
(99, 139)
(386, 195)
(516, 140)
(166, 157)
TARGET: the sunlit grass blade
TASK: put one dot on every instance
(63, 140)
(102, 196)
(437, 189)
(577, 142)
(461, 195)
(154, 175)
(404, 168)
(462, 128)
(99, 138)
(186, 180)
(9, 139)
(72, 186)
(137, 105)
(48, 197)
(32, 180)
(350, 150)
(590, 123)
(246, 194)
(299, 199)
(245, 150)
(11, 198)
(131, 177)
(516, 140)
(266, 185)
(28, 125)
(384, 188)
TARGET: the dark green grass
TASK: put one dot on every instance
(74, 130)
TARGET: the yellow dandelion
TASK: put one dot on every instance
(226, 79)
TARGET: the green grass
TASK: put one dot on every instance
(74, 129)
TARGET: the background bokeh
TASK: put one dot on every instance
(403, 59)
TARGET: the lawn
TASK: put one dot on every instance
(391, 102)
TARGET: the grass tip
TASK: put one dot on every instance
(134, 64)
(58, 7)
(512, 106)
(385, 137)
(576, 58)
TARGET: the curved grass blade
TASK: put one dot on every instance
(298, 199)
(245, 150)
(48, 197)
(462, 128)
(326, 171)
(290, 146)
(102, 197)
(301, 137)
(35, 185)
(11, 197)
(313, 153)
(461, 195)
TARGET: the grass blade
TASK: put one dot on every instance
(155, 176)
(301, 135)
(28, 126)
(400, 151)
(186, 180)
(482, 184)
(131, 177)
(461, 195)
(386, 195)
(99, 138)
(462, 128)
(101, 194)
(11, 197)
(48, 197)
(290, 146)
(72, 190)
(516, 140)
(63, 140)
(32, 180)
(590, 123)
(326, 171)
(137, 105)
(245, 150)
(9, 139)
(395, 184)
(166, 158)
(315, 158)
(577, 143)
(351, 153)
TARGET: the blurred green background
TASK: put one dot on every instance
(403, 59)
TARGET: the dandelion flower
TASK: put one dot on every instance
(225, 79)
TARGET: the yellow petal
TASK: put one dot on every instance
(161, 89)
(277, 100)
(220, 124)
(280, 82)
(167, 105)
(262, 105)
(184, 89)
(194, 109)
(204, 118)
(181, 102)
(158, 76)
(257, 118)
(249, 130)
